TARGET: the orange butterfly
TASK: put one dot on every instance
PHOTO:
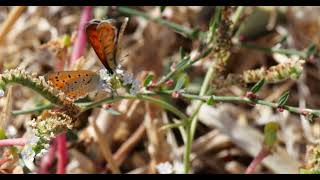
(104, 37)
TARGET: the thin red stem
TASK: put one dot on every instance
(62, 153)
(78, 51)
(257, 160)
(80, 42)
(47, 160)
(3, 160)
(13, 142)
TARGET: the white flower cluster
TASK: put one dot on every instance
(28, 153)
(126, 78)
(168, 168)
(105, 77)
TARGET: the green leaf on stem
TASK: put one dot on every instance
(270, 134)
(181, 64)
(195, 33)
(113, 112)
(210, 101)
(180, 83)
(312, 49)
(2, 134)
(182, 53)
(148, 80)
(311, 116)
(257, 86)
(214, 23)
(283, 98)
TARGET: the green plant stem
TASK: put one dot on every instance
(246, 100)
(36, 109)
(302, 54)
(159, 102)
(204, 54)
(226, 99)
(191, 127)
(236, 16)
(181, 29)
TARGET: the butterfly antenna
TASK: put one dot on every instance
(122, 59)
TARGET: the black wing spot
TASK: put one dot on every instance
(69, 75)
(87, 75)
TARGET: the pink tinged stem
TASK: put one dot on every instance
(80, 42)
(257, 160)
(47, 160)
(62, 153)
(13, 142)
(3, 160)
(60, 64)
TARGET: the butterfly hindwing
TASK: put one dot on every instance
(108, 39)
(75, 84)
(119, 39)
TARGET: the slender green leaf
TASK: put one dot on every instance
(147, 80)
(210, 101)
(214, 23)
(312, 49)
(257, 86)
(283, 98)
(182, 53)
(181, 81)
(181, 64)
(113, 112)
(195, 33)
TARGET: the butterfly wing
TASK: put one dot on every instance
(94, 40)
(108, 38)
(75, 84)
(102, 37)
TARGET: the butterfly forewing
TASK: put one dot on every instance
(75, 84)
(94, 40)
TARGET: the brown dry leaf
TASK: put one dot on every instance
(158, 148)
(5, 115)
